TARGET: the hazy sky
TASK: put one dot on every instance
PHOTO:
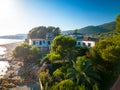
(20, 16)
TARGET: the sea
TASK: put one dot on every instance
(4, 65)
(5, 41)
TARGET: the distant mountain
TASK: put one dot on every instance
(107, 27)
(17, 36)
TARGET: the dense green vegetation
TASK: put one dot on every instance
(41, 31)
(118, 24)
(81, 68)
(67, 67)
(74, 70)
(107, 60)
(27, 52)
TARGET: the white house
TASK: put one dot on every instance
(82, 40)
(42, 43)
(85, 43)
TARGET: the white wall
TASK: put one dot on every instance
(92, 43)
(44, 43)
(30, 42)
(89, 42)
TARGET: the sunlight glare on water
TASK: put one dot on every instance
(4, 65)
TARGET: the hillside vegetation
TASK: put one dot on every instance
(67, 67)
(104, 28)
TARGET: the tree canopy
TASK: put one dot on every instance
(63, 46)
(118, 24)
(108, 49)
(41, 31)
(85, 69)
(26, 51)
(106, 54)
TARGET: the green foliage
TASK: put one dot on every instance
(96, 71)
(81, 51)
(109, 26)
(118, 24)
(21, 51)
(45, 78)
(104, 28)
(93, 30)
(106, 56)
(108, 49)
(60, 73)
(65, 85)
(103, 35)
(26, 51)
(63, 46)
(82, 87)
(83, 73)
(80, 71)
(95, 87)
(34, 52)
(53, 56)
(41, 31)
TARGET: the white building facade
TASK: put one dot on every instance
(85, 43)
(42, 43)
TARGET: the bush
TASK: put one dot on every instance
(26, 51)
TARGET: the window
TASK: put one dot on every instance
(43, 41)
(33, 42)
(37, 43)
(84, 44)
(40, 42)
(89, 44)
(79, 43)
(48, 42)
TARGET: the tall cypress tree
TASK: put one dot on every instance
(118, 24)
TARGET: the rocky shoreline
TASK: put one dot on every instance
(12, 77)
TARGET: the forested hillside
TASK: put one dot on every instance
(104, 28)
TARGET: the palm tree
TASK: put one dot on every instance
(82, 73)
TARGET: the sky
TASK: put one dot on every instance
(20, 16)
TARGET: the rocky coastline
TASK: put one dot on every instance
(12, 77)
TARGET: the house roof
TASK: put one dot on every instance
(90, 39)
